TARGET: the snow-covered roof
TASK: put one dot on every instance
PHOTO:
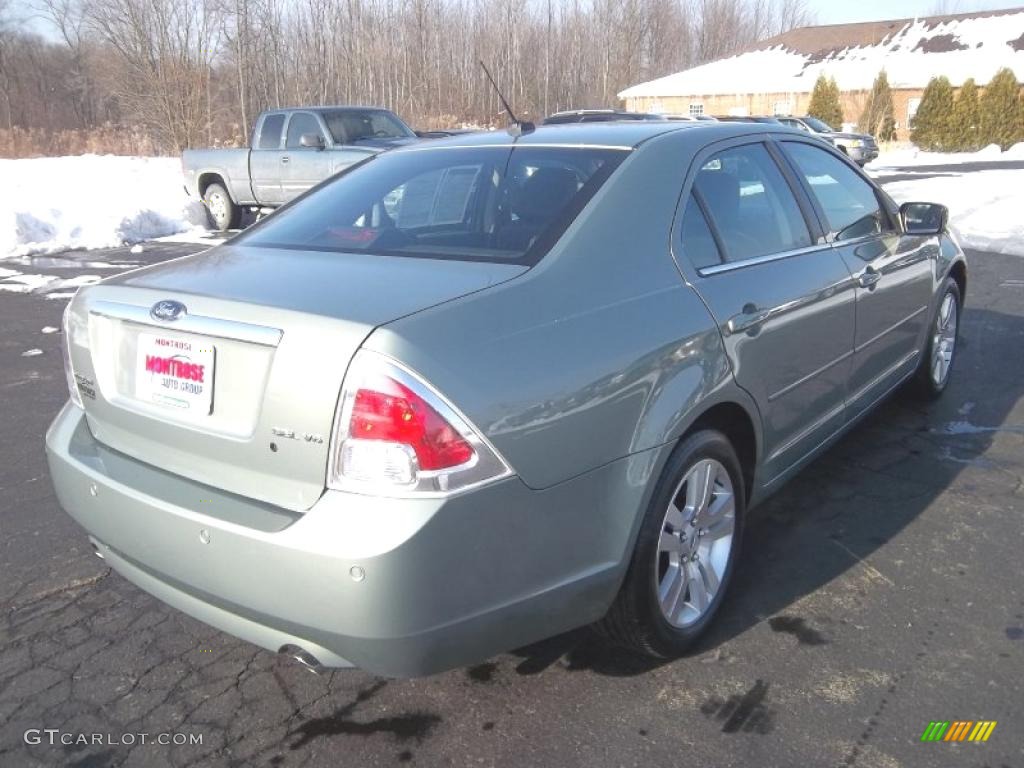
(911, 51)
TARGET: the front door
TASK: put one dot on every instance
(893, 272)
(782, 297)
(305, 167)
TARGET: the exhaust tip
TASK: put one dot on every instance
(303, 657)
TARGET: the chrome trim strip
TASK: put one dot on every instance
(830, 414)
(890, 329)
(729, 266)
(198, 324)
(809, 376)
(884, 374)
(849, 424)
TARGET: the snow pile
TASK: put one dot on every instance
(915, 52)
(908, 157)
(60, 203)
(984, 206)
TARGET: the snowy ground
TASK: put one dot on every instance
(985, 206)
(55, 204)
(909, 157)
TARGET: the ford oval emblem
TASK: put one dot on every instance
(167, 310)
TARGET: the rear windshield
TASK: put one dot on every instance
(474, 203)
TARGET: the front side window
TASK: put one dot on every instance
(300, 124)
(475, 203)
(850, 204)
(349, 126)
(750, 204)
(270, 133)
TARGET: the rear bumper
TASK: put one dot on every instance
(445, 582)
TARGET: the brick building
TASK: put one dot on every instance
(776, 76)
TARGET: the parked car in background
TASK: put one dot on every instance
(291, 151)
(690, 118)
(466, 397)
(861, 147)
(596, 116)
(747, 119)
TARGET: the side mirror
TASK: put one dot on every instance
(311, 140)
(924, 218)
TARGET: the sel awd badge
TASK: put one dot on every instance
(167, 310)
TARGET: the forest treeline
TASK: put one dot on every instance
(146, 76)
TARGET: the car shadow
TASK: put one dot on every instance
(848, 503)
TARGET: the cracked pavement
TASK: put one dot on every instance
(877, 591)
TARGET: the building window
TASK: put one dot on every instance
(782, 108)
(696, 110)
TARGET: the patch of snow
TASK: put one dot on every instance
(53, 204)
(984, 206)
(49, 329)
(31, 352)
(197, 236)
(19, 283)
(61, 295)
(967, 428)
(909, 157)
(137, 249)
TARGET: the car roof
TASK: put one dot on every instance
(622, 135)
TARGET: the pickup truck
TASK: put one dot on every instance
(292, 150)
(860, 147)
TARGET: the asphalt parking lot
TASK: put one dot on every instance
(877, 592)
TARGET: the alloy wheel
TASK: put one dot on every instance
(695, 543)
(944, 340)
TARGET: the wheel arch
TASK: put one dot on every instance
(737, 423)
(959, 274)
(206, 178)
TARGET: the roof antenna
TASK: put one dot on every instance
(518, 127)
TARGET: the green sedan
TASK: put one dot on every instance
(470, 394)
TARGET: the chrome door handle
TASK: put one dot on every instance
(285, 159)
(751, 317)
(868, 278)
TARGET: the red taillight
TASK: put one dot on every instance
(389, 411)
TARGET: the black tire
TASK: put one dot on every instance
(924, 384)
(222, 211)
(636, 620)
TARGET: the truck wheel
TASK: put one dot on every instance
(685, 552)
(223, 212)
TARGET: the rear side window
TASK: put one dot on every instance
(483, 203)
(301, 123)
(270, 133)
(850, 204)
(750, 204)
(697, 241)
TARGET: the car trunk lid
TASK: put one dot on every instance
(239, 391)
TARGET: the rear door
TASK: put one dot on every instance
(265, 159)
(782, 297)
(894, 273)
